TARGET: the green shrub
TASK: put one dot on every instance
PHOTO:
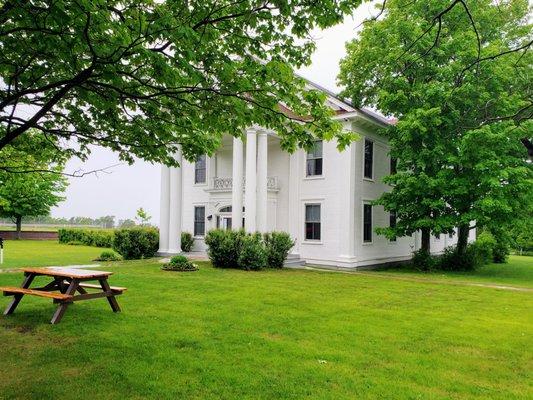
(135, 243)
(423, 261)
(224, 247)
(88, 237)
(500, 252)
(451, 260)
(252, 255)
(277, 245)
(179, 263)
(187, 241)
(108, 255)
(485, 244)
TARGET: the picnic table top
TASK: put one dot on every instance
(73, 273)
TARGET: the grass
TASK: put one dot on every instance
(34, 253)
(289, 334)
(517, 271)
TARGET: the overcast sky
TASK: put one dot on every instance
(123, 189)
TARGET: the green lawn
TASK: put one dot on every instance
(289, 334)
(33, 253)
(518, 271)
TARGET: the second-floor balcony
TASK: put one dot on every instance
(225, 184)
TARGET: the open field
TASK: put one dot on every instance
(288, 334)
(34, 253)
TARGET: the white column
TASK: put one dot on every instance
(176, 190)
(164, 209)
(295, 222)
(236, 191)
(262, 167)
(250, 194)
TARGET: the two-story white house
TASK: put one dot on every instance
(322, 198)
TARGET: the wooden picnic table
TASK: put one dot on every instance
(63, 287)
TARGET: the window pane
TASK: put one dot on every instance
(392, 166)
(200, 169)
(310, 169)
(314, 160)
(312, 213)
(367, 223)
(318, 166)
(199, 221)
(369, 155)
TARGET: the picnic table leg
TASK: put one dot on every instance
(18, 297)
(63, 306)
(111, 299)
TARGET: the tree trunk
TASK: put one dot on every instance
(462, 239)
(426, 237)
(18, 222)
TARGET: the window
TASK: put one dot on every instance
(199, 221)
(200, 169)
(393, 163)
(314, 160)
(369, 159)
(367, 223)
(450, 235)
(392, 222)
(312, 222)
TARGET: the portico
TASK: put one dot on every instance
(249, 166)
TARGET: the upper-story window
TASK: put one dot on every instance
(393, 165)
(312, 222)
(369, 159)
(314, 160)
(200, 169)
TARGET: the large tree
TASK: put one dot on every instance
(142, 77)
(33, 181)
(457, 75)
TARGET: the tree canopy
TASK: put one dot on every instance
(142, 77)
(458, 78)
(30, 194)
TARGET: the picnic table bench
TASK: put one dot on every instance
(63, 287)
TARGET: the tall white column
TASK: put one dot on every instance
(164, 209)
(295, 222)
(176, 190)
(262, 167)
(236, 191)
(250, 194)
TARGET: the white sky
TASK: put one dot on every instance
(123, 189)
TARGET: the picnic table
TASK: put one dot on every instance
(63, 287)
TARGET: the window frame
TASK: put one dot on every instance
(368, 178)
(196, 169)
(371, 241)
(195, 221)
(314, 158)
(319, 222)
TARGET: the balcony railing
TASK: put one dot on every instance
(225, 184)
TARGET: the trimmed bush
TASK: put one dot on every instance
(452, 261)
(500, 252)
(224, 247)
(238, 249)
(179, 263)
(252, 255)
(187, 241)
(277, 245)
(485, 244)
(88, 237)
(108, 255)
(136, 243)
(423, 261)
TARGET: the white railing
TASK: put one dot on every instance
(223, 184)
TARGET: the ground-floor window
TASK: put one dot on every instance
(392, 222)
(367, 223)
(199, 221)
(312, 222)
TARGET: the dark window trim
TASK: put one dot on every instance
(367, 224)
(314, 227)
(314, 164)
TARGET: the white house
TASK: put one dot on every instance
(322, 197)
